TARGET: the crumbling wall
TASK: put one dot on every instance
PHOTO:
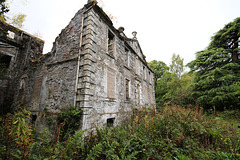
(92, 65)
(24, 52)
(105, 74)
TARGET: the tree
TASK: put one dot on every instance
(217, 70)
(169, 87)
(17, 20)
(158, 68)
(4, 8)
(176, 67)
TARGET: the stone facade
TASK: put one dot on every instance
(19, 54)
(94, 66)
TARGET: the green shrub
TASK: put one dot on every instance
(174, 133)
(71, 117)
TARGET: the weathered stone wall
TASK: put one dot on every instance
(92, 65)
(23, 52)
(96, 98)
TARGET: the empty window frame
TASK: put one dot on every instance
(110, 122)
(144, 72)
(127, 89)
(5, 61)
(110, 44)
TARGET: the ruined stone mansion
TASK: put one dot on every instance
(92, 65)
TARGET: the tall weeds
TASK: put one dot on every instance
(174, 133)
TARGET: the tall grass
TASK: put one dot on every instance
(174, 133)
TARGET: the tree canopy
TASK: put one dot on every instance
(171, 85)
(3, 7)
(217, 70)
(159, 68)
(176, 66)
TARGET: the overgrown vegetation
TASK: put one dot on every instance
(70, 118)
(174, 133)
(171, 83)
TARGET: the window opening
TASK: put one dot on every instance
(5, 60)
(127, 57)
(138, 94)
(110, 43)
(144, 73)
(127, 89)
(11, 34)
(34, 118)
(110, 122)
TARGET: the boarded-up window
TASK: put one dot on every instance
(151, 97)
(110, 43)
(110, 83)
(145, 93)
(127, 89)
(37, 88)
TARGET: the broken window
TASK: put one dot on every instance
(11, 34)
(110, 43)
(5, 60)
(110, 83)
(110, 122)
(127, 89)
(34, 118)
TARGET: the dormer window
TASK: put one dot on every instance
(110, 44)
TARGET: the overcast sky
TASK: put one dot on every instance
(164, 27)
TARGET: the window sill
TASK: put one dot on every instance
(110, 99)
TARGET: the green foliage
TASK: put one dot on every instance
(176, 67)
(217, 70)
(16, 135)
(71, 116)
(17, 20)
(3, 8)
(174, 133)
(159, 68)
(171, 85)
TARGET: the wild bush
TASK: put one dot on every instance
(71, 117)
(174, 133)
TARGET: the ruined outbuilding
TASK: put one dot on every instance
(92, 65)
